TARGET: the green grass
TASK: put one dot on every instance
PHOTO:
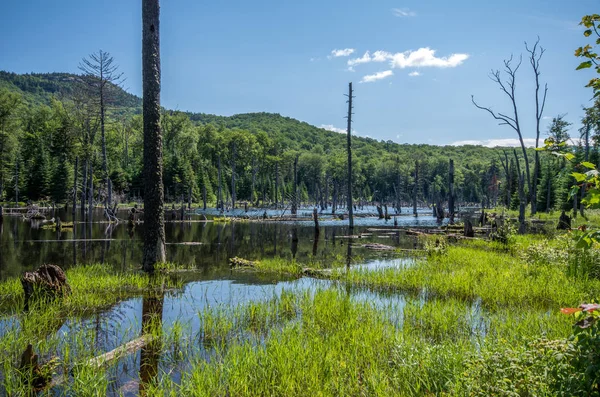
(471, 271)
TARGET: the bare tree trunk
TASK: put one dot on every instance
(17, 182)
(549, 189)
(522, 203)
(534, 60)
(154, 227)
(91, 193)
(451, 191)
(253, 195)
(75, 171)
(295, 195)
(334, 197)
(349, 145)
(233, 154)
(276, 184)
(587, 155)
(415, 188)
(326, 190)
(84, 189)
(204, 196)
(190, 198)
(220, 191)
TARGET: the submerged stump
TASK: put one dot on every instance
(48, 281)
(468, 230)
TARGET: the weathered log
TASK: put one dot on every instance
(316, 273)
(378, 247)
(48, 281)
(240, 262)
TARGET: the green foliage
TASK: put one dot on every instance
(589, 52)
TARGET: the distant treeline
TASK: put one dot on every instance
(49, 123)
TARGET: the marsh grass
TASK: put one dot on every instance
(470, 271)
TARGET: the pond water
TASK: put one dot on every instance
(204, 247)
(25, 245)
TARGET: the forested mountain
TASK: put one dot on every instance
(49, 123)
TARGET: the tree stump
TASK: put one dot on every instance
(469, 232)
(48, 281)
(564, 222)
(31, 372)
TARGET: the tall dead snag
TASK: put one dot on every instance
(507, 172)
(509, 87)
(585, 136)
(91, 193)
(295, 194)
(154, 226)
(534, 60)
(451, 191)
(349, 145)
(522, 201)
(101, 76)
(220, 188)
(415, 188)
(75, 171)
(397, 187)
(233, 154)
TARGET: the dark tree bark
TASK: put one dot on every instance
(586, 140)
(91, 193)
(451, 191)
(75, 171)
(295, 195)
(522, 203)
(276, 184)
(349, 145)
(233, 154)
(154, 228)
(204, 196)
(415, 188)
(220, 191)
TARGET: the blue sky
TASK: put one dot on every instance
(425, 58)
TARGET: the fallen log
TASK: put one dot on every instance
(378, 247)
(48, 281)
(240, 262)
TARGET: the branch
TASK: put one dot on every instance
(504, 120)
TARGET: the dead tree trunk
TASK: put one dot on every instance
(220, 191)
(534, 60)
(276, 184)
(190, 198)
(586, 140)
(451, 191)
(233, 154)
(154, 226)
(295, 195)
(549, 189)
(349, 145)
(204, 196)
(415, 188)
(522, 203)
(91, 193)
(253, 195)
(84, 188)
(75, 171)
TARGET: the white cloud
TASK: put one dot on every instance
(330, 127)
(403, 12)
(423, 57)
(341, 53)
(414, 74)
(504, 142)
(377, 76)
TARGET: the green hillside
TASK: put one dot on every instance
(266, 143)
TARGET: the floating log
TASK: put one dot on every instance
(378, 247)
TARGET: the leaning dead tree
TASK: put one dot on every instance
(508, 87)
(451, 191)
(154, 222)
(349, 145)
(102, 75)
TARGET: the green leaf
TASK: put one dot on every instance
(589, 165)
(587, 33)
(569, 156)
(579, 177)
(584, 65)
(574, 191)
